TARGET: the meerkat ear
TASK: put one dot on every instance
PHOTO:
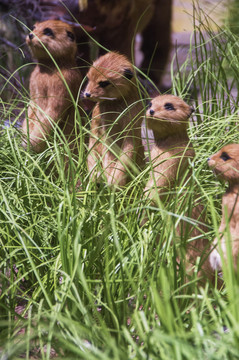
(71, 35)
(128, 74)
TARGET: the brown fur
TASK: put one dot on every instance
(116, 119)
(168, 117)
(117, 21)
(50, 99)
(225, 164)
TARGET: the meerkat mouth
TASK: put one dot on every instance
(168, 120)
(160, 119)
(107, 98)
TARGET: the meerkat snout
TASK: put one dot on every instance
(87, 95)
(151, 112)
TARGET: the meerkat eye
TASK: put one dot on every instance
(48, 32)
(70, 35)
(128, 74)
(103, 84)
(225, 156)
(34, 27)
(149, 105)
(169, 106)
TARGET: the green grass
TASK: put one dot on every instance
(92, 283)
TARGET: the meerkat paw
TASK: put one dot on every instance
(36, 146)
(118, 179)
(215, 260)
(24, 144)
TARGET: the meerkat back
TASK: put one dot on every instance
(54, 83)
(115, 143)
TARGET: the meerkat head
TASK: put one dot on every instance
(225, 163)
(53, 36)
(168, 115)
(111, 77)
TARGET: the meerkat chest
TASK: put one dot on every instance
(39, 84)
(111, 123)
(46, 85)
(170, 159)
(163, 152)
(230, 208)
(113, 133)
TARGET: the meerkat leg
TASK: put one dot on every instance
(96, 147)
(36, 130)
(40, 124)
(215, 258)
(93, 160)
(235, 251)
(120, 171)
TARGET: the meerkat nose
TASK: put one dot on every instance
(87, 94)
(208, 159)
(151, 112)
(31, 36)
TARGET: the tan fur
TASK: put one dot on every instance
(50, 99)
(116, 119)
(172, 148)
(225, 164)
(168, 117)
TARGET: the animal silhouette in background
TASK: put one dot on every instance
(168, 117)
(225, 164)
(114, 24)
(53, 88)
(115, 144)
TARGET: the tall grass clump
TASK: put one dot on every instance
(81, 277)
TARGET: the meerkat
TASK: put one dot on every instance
(225, 164)
(53, 88)
(115, 141)
(168, 118)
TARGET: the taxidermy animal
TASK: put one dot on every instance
(54, 84)
(115, 145)
(225, 164)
